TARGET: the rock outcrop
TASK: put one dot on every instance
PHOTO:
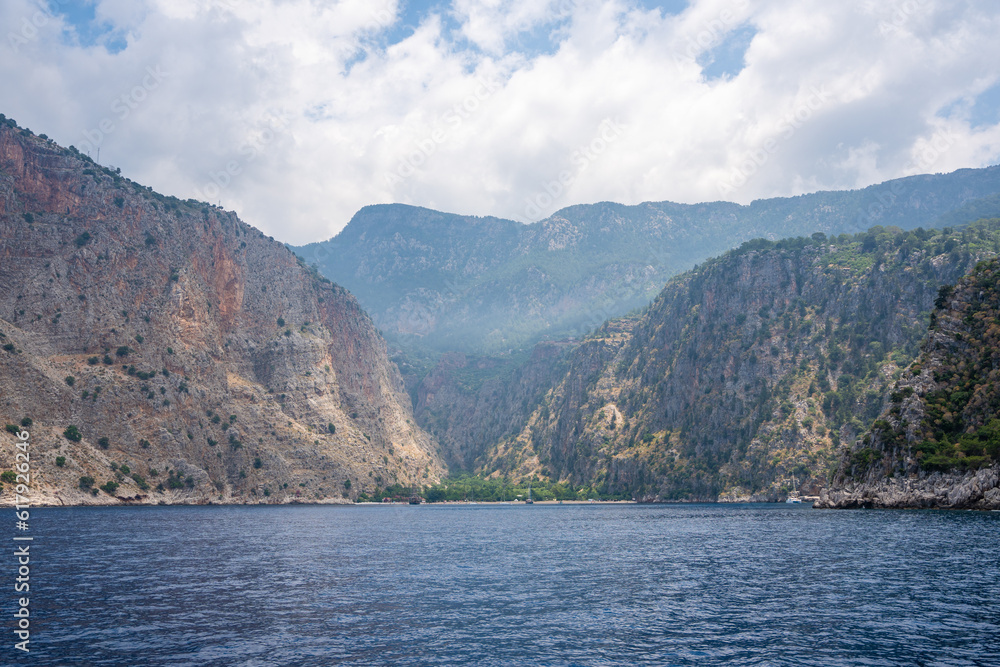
(170, 349)
(979, 490)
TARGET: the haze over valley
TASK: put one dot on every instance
(169, 340)
(500, 332)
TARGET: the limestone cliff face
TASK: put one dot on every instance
(186, 346)
(938, 443)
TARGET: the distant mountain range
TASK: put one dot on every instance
(443, 282)
(160, 350)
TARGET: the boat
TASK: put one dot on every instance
(529, 501)
(793, 497)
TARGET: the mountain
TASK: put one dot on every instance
(168, 348)
(159, 350)
(444, 282)
(744, 374)
(938, 444)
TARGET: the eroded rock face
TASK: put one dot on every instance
(978, 490)
(201, 350)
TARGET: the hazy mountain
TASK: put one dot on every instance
(486, 285)
(169, 348)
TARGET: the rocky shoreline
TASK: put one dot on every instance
(979, 490)
(71, 498)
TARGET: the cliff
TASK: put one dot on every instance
(938, 443)
(739, 382)
(170, 349)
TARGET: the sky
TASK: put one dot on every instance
(297, 113)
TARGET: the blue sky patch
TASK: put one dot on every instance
(531, 43)
(728, 58)
(986, 109)
(83, 27)
(983, 111)
(666, 7)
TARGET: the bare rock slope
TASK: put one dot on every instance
(172, 350)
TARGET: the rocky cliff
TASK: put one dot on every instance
(938, 443)
(739, 382)
(167, 352)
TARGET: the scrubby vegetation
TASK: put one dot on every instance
(752, 369)
(474, 488)
(960, 427)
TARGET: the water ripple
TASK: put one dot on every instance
(564, 586)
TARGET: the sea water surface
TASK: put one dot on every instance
(511, 585)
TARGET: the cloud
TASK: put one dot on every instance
(490, 24)
(298, 113)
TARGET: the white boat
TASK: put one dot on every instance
(793, 497)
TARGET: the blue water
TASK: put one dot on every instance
(511, 585)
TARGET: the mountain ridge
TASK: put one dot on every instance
(753, 368)
(485, 285)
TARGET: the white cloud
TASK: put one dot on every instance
(489, 24)
(298, 113)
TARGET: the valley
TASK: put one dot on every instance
(161, 350)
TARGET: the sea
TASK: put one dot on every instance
(507, 584)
